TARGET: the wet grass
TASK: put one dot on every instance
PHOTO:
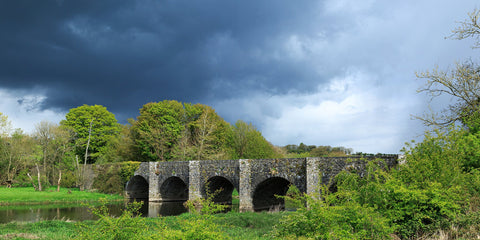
(27, 195)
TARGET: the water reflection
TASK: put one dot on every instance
(35, 213)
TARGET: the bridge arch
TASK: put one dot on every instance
(137, 188)
(221, 187)
(264, 195)
(174, 189)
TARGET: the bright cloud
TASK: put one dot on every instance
(24, 110)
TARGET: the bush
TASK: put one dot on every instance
(207, 205)
(197, 228)
(127, 226)
(130, 225)
(410, 210)
(321, 220)
(111, 178)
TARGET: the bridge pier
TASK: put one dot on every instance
(194, 185)
(154, 188)
(313, 176)
(245, 186)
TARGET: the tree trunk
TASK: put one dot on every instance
(59, 180)
(33, 183)
(77, 172)
(9, 177)
(86, 154)
(45, 163)
(38, 178)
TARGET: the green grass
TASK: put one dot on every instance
(248, 225)
(38, 230)
(236, 225)
(27, 195)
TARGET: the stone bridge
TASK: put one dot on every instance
(257, 181)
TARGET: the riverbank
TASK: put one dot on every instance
(28, 195)
(233, 225)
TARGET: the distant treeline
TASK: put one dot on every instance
(316, 151)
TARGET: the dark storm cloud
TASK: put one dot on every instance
(123, 54)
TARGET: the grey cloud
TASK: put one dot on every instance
(125, 53)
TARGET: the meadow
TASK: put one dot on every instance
(28, 195)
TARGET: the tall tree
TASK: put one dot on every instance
(159, 128)
(208, 133)
(122, 147)
(92, 127)
(44, 134)
(5, 129)
(249, 142)
(53, 141)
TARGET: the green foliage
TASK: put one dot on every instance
(122, 147)
(127, 170)
(103, 127)
(441, 157)
(186, 226)
(197, 228)
(206, 135)
(158, 129)
(131, 226)
(126, 226)
(303, 150)
(69, 179)
(111, 178)
(248, 142)
(206, 206)
(108, 179)
(431, 189)
(320, 219)
(170, 130)
(412, 211)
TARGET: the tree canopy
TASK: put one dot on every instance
(170, 130)
(93, 127)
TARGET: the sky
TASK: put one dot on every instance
(332, 72)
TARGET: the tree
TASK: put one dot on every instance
(5, 129)
(44, 134)
(93, 127)
(171, 130)
(18, 151)
(462, 84)
(53, 141)
(120, 148)
(208, 133)
(249, 142)
(158, 129)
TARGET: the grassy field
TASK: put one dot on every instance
(235, 225)
(27, 195)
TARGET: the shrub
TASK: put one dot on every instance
(197, 228)
(411, 210)
(111, 178)
(126, 226)
(204, 206)
(321, 220)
